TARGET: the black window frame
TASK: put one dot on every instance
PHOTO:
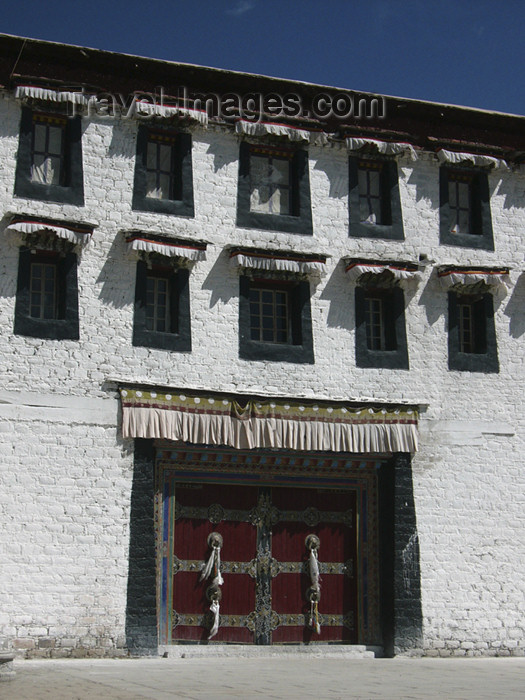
(300, 219)
(395, 356)
(66, 325)
(178, 340)
(481, 237)
(485, 357)
(300, 350)
(182, 203)
(71, 187)
(391, 226)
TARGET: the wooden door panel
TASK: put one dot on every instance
(331, 516)
(199, 512)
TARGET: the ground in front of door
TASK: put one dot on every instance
(284, 678)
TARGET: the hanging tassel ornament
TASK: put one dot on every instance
(212, 568)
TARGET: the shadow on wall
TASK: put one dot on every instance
(339, 292)
(337, 173)
(514, 308)
(117, 279)
(222, 280)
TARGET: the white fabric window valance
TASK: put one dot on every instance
(492, 277)
(39, 93)
(267, 423)
(151, 109)
(72, 234)
(292, 133)
(455, 157)
(386, 148)
(274, 262)
(401, 271)
(179, 249)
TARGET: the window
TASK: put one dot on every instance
(465, 218)
(380, 328)
(162, 308)
(471, 334)
(47, 295)
(374, 202)
(275, 320)
(163, 172)
(49, 163)
(274, 189)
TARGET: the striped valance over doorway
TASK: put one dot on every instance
(255, 422)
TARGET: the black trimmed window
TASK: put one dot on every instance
(380, 328)
(472, 344)
(465, 218)
(275, 320)
(162, 308)
(49, 163)
(47, 295)
(374, 201)
(163, 172)
(274, 189)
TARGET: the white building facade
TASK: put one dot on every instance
(300, 328)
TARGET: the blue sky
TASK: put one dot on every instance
(464, 52)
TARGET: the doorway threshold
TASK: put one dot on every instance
(195, 651)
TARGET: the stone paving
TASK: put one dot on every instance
(284, 678)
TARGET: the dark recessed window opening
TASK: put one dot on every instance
(460, 202)
(270, 183)
(370, 193)
(274, 189)
(160, 167)
(375, 324)
(472, 345)
(275, 320)
(472, 325)
(47, 295)
(464, 212)
(380, 328)
(43, 290)
(269, 315)
(374, 202)
(162, 308)
(158, 305)
(49, 160)
(163, 172)
(48, 150)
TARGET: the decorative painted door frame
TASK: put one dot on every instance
(262, 473)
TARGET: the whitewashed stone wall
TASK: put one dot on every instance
(65, 474)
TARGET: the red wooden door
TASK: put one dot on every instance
(199, 511)
(331, 516)
(264, 563)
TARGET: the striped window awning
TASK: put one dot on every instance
(78, 234)
(400, 270)
(220, 419)
(293, 133)
(164, 245)
(23, 92)
(166, 111)
(272, 260)
(455, 157)
(450, 276)
(386, 148)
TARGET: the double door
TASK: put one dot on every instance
(264, 539)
